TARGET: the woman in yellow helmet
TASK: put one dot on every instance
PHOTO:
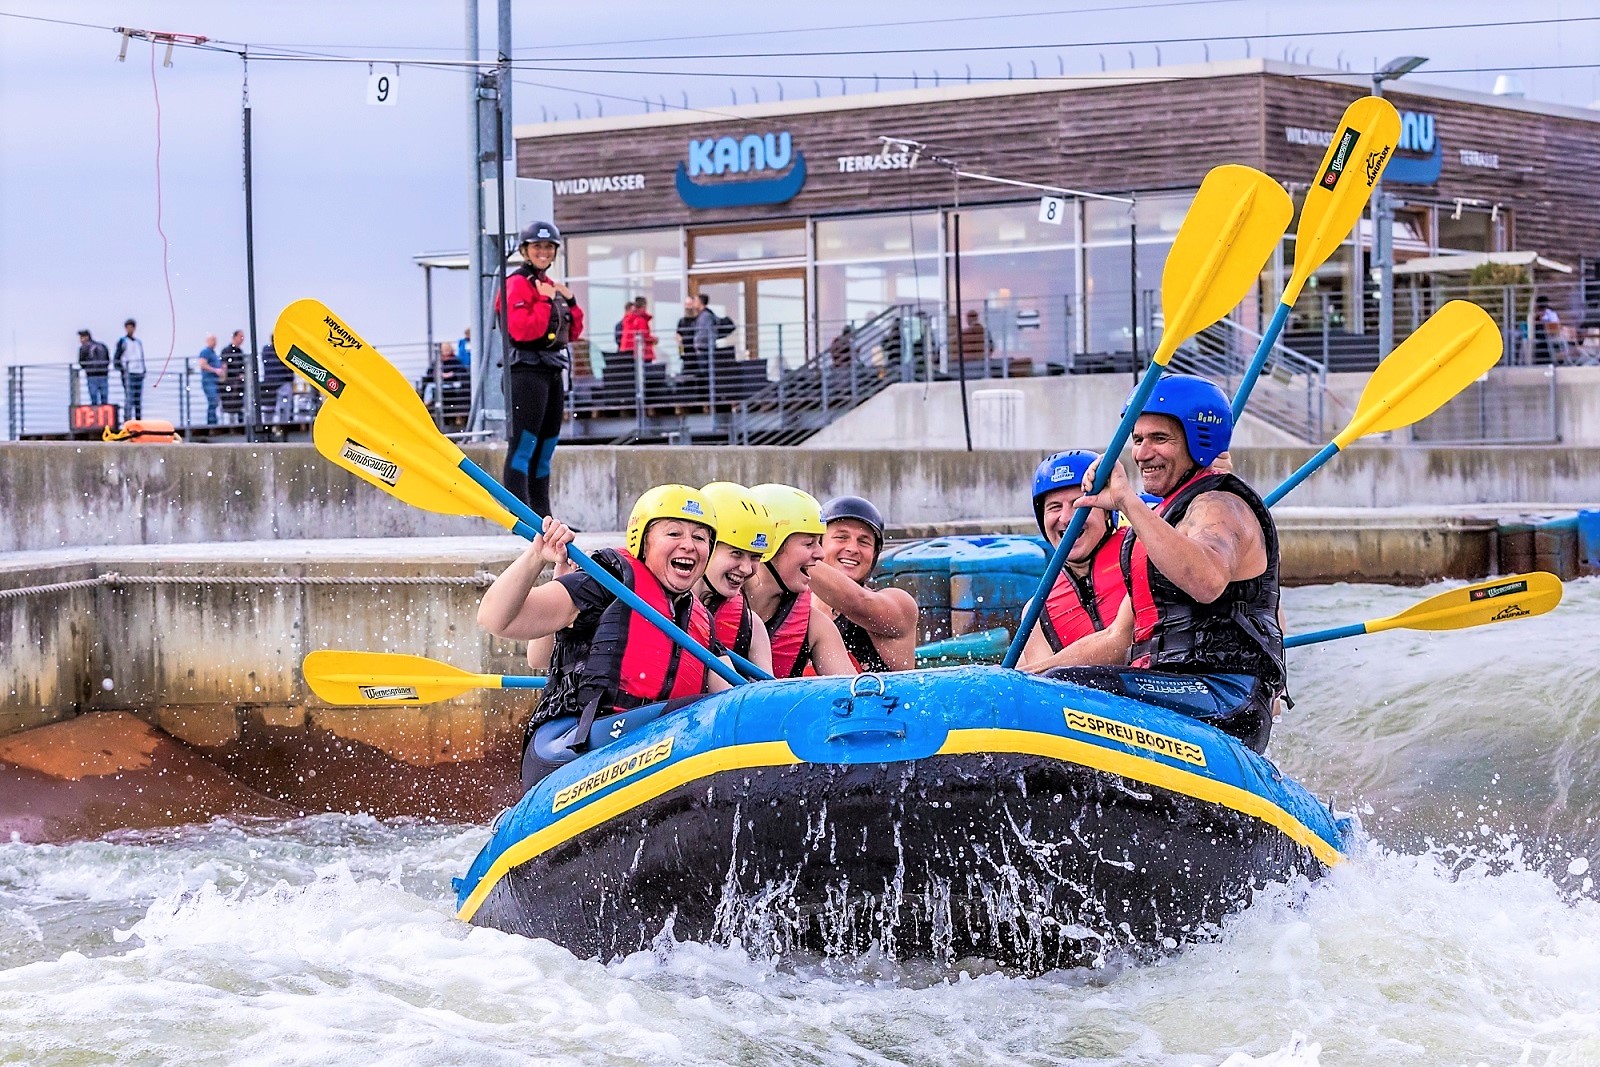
(801, 631)
(744, 541)
(603, 661)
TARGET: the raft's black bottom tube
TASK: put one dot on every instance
(1020, 859)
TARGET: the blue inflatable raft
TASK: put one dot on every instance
(967, 811)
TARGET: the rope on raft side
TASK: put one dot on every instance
(480, 580)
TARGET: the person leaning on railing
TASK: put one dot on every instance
(94, 359)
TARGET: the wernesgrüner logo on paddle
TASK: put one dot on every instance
(388, 692)
(314, 371)
(1341, 156)
(1503, 589)
(338, 336)
(1138, 736)
(382, 468)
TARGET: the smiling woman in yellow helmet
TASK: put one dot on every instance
(745, 540)
(801, 631)
(604, 661)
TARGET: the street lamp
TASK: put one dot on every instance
(1383, 216)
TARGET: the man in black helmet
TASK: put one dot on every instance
(879, 626)
(542, 319)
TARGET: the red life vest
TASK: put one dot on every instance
(630, 665)
(1079, 606)
(790, 630)
(732, 622)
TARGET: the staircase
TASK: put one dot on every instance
(858, 365)
(1292, 393)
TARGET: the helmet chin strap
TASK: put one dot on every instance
(774, 572)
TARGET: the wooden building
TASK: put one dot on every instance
(797, 218)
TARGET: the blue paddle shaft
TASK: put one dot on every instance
(522, 681)
(1355, 629)
(1309, 468)
(1102, 475)
(1259, 360)
(607, 580)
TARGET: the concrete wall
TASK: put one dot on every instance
(61, 494)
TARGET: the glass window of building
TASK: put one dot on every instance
(711, 247)
(867, 264)
(609, 271)
(1117, 306)
(1019, 284)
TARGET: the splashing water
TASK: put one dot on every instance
(1466, 930)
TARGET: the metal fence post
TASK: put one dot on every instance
(13, 401)
(638, 381)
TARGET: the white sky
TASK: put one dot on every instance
(346, 193)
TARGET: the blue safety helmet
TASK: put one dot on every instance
(1060, 471)
(1200, 407)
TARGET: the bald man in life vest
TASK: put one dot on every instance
(1200, 626)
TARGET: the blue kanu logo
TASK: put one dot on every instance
(1418, 137)
(717, 157)
(692, 507)
(759, 541)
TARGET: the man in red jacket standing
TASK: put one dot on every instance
(542, 321)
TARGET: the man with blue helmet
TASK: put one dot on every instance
(1201, 569)
(1089, 590)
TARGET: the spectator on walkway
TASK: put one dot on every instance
(233, 383)
(95, 362)
(129, 361)
(276, 386)
(975, 343)
(637, 335)
(1546, 331)
(212, 369)
(702, 346)
(464, 348)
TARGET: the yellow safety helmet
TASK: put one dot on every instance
(668, 502)
(742, 520)
(792, 511)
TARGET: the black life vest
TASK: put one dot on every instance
(1080, 605)
(550, 348)
(858, 642)
(1238, 633)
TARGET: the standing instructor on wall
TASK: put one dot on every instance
(542, 320)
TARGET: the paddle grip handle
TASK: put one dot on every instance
(1355, 629)
(1306, 470)
(607, 580)
(523, 681)
(1259, 360)
(1102, 475)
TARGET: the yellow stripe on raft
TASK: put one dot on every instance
(1144, 770)
(703, 765)
(959, 742)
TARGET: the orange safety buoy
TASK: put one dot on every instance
(145, 432)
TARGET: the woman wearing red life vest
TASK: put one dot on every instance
(604, 661)
(744, 542)
(1090, 589)
(801, 631)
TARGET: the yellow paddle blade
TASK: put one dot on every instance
(1454, 348)
(319, 346)
(1362, 143)
(1497, 600)
(385, 453)
(1237, 219)
(352, 678)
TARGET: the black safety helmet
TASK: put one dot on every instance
(860, 509)
(540, 231)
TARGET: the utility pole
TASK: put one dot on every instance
(480, 336)
(1383, 216)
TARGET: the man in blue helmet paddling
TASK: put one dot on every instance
(1200, 624)
(1089, 590)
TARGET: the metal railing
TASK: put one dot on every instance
(1292, 393)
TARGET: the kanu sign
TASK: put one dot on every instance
(716, 158)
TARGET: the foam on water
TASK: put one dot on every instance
(331, 939)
